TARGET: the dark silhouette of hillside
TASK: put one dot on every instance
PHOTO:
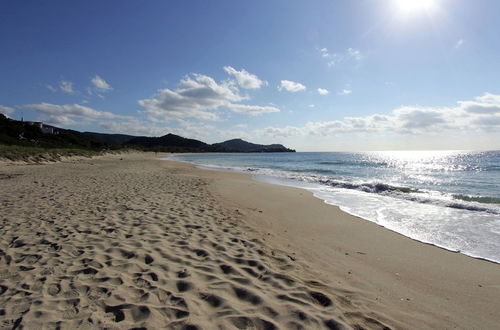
(110, 138)
(239, 145)
(13, 132)
(170, 142)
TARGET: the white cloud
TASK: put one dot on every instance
(197, 97)
(459, 43)
(482, 114)
(197, 130)
(354, 53)
(486, 104)
(418, 118)
(185, 128)
(70, 114)
(6, 110)
(252, 109)
(488, 122)
(291, 86)
(51, 88)
(323, 91)
(244, 78)
(312, 105)
(287, 131)
(135, 127)
(480, 107)
(334, 59)
(345, 92)
(66, 86)
(63, 121)
(324, 52)
(489, 98)
(71, 110)
(101, 84)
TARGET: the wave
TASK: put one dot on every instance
(356, 163)
(479, 199)
(492, 168)
(376, 188)
(338, 162)
(462, 202)
(417, 195)
(323, 177)
(457, 212)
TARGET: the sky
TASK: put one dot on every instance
(336, 75)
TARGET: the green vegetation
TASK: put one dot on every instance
(24, 141)
(35, 142)
(13, 132)
(39, 154)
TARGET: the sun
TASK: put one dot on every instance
(414, 6)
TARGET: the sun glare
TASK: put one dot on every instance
(412, 6)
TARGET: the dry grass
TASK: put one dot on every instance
(38, 154)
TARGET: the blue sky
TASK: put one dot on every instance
(313, 75)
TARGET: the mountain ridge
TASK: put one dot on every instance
(28, 133)
(239, 145)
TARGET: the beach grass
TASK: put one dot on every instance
(40, 154)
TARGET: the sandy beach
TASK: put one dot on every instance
(129, 241)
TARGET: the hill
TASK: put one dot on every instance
(170, 142)
(26, 133)
(37, 134)
(239, 145)
(110, 138)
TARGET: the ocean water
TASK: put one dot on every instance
(447, 198)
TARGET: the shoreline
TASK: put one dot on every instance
(133, 241)
(439, 266)
(286, 183)
(413, 239)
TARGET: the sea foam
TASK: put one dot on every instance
(449, 199)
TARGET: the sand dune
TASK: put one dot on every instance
(119, 244)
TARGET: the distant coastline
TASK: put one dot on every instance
(21, 139)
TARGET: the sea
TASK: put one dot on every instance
(450, 199)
